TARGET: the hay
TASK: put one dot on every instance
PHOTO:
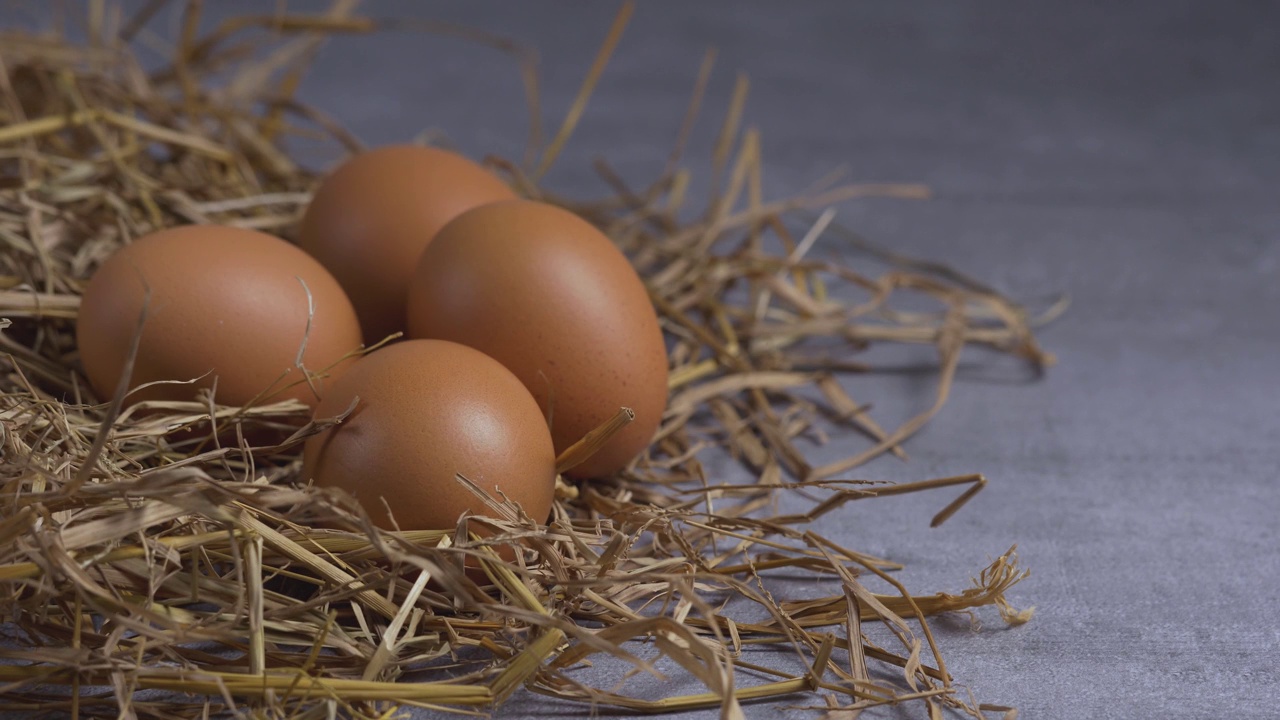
(142, 551)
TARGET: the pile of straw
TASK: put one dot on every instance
(151, 565)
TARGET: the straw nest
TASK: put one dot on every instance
(151, 565)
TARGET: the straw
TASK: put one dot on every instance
(152, 567)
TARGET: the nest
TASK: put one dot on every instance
(154, 562)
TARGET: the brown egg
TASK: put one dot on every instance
(427, 410)
(371, 218)
(548, 295)
(226, 304)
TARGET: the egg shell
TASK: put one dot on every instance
(225, 303)
(548, 295)
(427, 410)
(371, 218)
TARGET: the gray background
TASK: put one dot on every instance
(1125, 153)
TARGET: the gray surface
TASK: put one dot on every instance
(1128, 154)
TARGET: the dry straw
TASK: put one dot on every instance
(154, 550)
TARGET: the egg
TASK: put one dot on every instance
(549, 296)
(226, 305)
(371, 218)
(427, 410)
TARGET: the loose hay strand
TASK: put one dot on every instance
(134, 557)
